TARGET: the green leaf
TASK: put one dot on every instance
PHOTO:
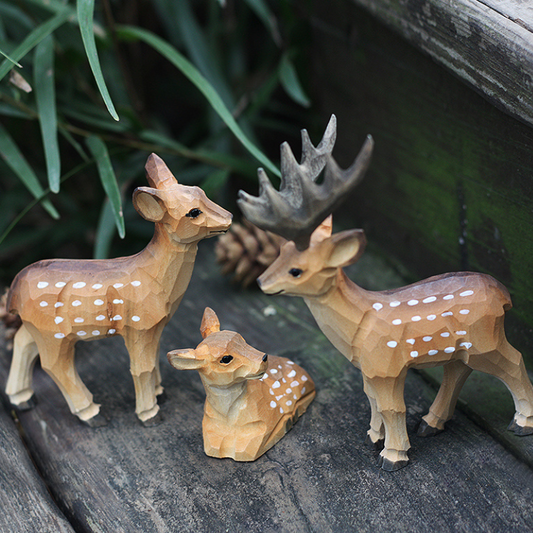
(109, 181)
(104, 232)
(33, 39)
(14, 159)
(85, 10)
(46, 107)
(291, 84)
(261, 9)
(12, 60)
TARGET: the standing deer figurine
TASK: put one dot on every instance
(63, 301)
(252, 399)
(452, 320)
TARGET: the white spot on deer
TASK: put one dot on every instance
(304, 378)
(273, 370)
(273, 404)
(59, 304)
(290, 362)
(377, 306)
(44, 304)
(76, 303)
(429, 299)
(59, 335)
(79, 320)
(284, 380)
(448, 297)
(117, 317)
(289, 402)
(460, 332)
(414, 354)
(118, 285)
(276, 385)
(410, 341)
(97, 286)
(100, 317)
(264, 376)
(464, 311)
(431, 317)
(447, 313)
(281, 410)
(303, 390)
(96, 332)
(81, 333)
(112, 331)
(396, 321)
(466, 293)
(99, 302)
(445, 334)
(396, 303)
(116, 301)
(288, 391)
(433, 352)
(79, 285)
(58, 319)
(135, 283)
(416, 318)
(136, 318)
(392, 344)
(280, 367)
(427, 339)
(294, 384)
(467, 345)
(291, 374)
(60, 284)
(295, 397)
(412, 302)
(278, 398)
(42, 284)
(449, 349)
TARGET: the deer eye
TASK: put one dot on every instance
(193, 213)
(226, 359)
(295, 272)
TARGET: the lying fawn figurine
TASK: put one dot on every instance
(63, 301)
(252, 399)
(454, 320)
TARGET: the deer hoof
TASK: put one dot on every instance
(425, 430)
(377, 445)
(26, 405)
(154, 421)
(391, 466)
(96, 421)
(521, 431)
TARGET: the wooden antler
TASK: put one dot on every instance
(302, 204)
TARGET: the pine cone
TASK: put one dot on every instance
(247, 250)
(11, 322)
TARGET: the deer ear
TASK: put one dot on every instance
(158, 174)
(149, 204)
(210, 323)
(345, 248)
(185, 360)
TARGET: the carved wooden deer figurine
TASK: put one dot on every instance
(63, 301)
(252, 399)
(455, 320)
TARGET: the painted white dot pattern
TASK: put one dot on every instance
(44, 304)
(427, 338)
(392, 344)
(276, 385)
(117, 301)
(58, 319)
(429, 299)
(444, 334)
(112, 331)
(273, 404)
(448, 297)
(296, 383)
(81, 333)
(291, 374)
(100, 317)
(60, 284)
(449, 349)
(99, 302)
(377, 306)
(96, 332)
(97, 286)
(416, 318)
(431, 317)
(433, 352)
(414, 354)
(396, 321)
(466, 293)
(467, 345)
(118, 285)
(460, 332)
(273, 370)
(412, 302)
(59, 335)
(136, 283)
(59, 304)
(79, 320)
(304, 378)
(410, 341)
(136, 318)
(42, 284)
(79, 285)
(76, 303)
(447, 313)
(117, 317)
(395, 303)
(464, 311)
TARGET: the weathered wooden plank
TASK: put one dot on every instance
(488, 44)
(320, 477)
(25, 502)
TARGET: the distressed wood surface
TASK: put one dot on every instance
(320, 477)
(487, 43)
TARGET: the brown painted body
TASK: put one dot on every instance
(63, 301)
(252, 399)
(454, 320)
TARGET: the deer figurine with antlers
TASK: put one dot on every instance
(253, 399)
(452, 320)
(63, 301)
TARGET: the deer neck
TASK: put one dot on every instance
(225, 402)
(340, 312)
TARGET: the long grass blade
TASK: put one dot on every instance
(290, 82)
(261, 9)
(99, 151)
(14, 159)
(46, 107)
(104, 232)
(85, 10)
(15, 63)
(192, 73)
(33, 39)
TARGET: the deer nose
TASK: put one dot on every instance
(265, 357)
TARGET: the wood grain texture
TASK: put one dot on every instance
(319, 477)
(487, 43)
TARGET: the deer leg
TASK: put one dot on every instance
(143, 347)
(391, 406)
(376, 433)
(19, 383)
(57, 360)
(455, 375)
(507, 364)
